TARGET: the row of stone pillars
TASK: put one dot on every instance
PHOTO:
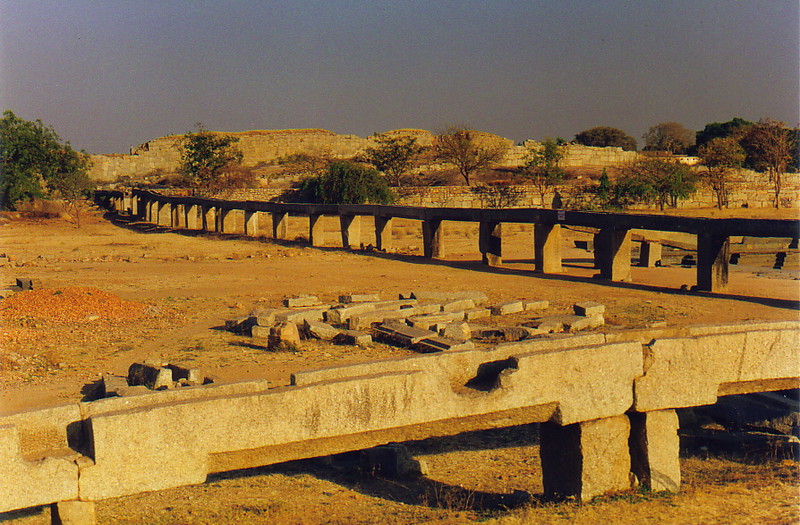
(612, 246)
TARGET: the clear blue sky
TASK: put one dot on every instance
(109, 74)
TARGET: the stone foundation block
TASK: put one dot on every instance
(510, 307)
(588, 308)
(655, 450)
(73, 512)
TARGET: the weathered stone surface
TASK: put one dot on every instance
(300, 315)
(505, 333)
(319, 330)
(588, 308)
(260, 332)
(359, 298)
(655, 449)
(365, 320)
(694, 371)
(586, 459)
(433, 321)
(190, 375)
(286, 333)
(440, 344)
(241, 325)
(29, 483)
(400, 333)
(458, 306)
(73, 512)
(25, 283)
(153, 377)
(535, 305)
(301, 301)
(113, 385)
(507, 308)
(352, 337)
(477, 313)
(561, 322)
(458, 330)
(341, 315)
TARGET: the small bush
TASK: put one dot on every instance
(347, 183)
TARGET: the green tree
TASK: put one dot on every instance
(653, 180)
(72, 183)
(34, 163)
(542, 167)
(206, 159)
(720, 156)
(736, 127)
(604, 136)
(347, 183)
(468, 150)
(604, 188)
(393, 155)
(669, 136)
(770, 145)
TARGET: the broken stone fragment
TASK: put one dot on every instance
(390, 461)
(113, 385)
(562, 322)
(588, 308)
(476, 313)
(190, 375)
(352, 337)
(286, 333)
(241, 325)
(152, 376)
(458, 306)
(440, 344)
(457, 330)
(25, 283)
(359, 298)
(298, 316)
(435, 322)
(260, 332)
(507, 308)
(399, 333)
(301, 301)
(319, 330)
(536, 305)
(476, 297)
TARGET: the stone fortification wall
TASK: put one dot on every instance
(267, 146)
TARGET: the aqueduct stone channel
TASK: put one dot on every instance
(612, 242)
(606, 404)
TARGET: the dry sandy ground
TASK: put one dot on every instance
(193, 283)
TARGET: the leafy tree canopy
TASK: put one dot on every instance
(35, 163)
(393, 155)
(206, 158)
(721, 156)
(669, 136)
(604, 136)
(347, 183)
(542, 167)
(653, 180)
(735, 126)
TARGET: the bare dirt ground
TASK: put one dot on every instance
(169, 294)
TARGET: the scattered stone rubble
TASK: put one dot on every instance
(151, 375)
(421, 321)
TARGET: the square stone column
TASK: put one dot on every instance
(547, 248)
(383, 233)
(432, 239)
(280, 225)
(72, 512)
(351, 230)
(584, 460)
(655, 449)
(490, 241)
(251, 223)
(174, 216)
(208, 216)
(316, 233)
(649, 254)
(613, 254)
(219, 223)
(161, 214)
(713, 257)
(190, 218)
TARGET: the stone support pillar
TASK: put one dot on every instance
(174, 216)
(713, 256)
(490, 241)
(655, 450)
(251, 223)
(351, 230)
(190, 216)
(383, 233)
(584, 460)
(649, 254)
(547, 248)
(208, 215)
(316, 233)
(72, 512)
(280, 225)
(219, 223)
(433, 239)
(161, 214)
(613, 254)
(127, 204)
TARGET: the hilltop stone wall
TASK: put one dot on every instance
(260, 147)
